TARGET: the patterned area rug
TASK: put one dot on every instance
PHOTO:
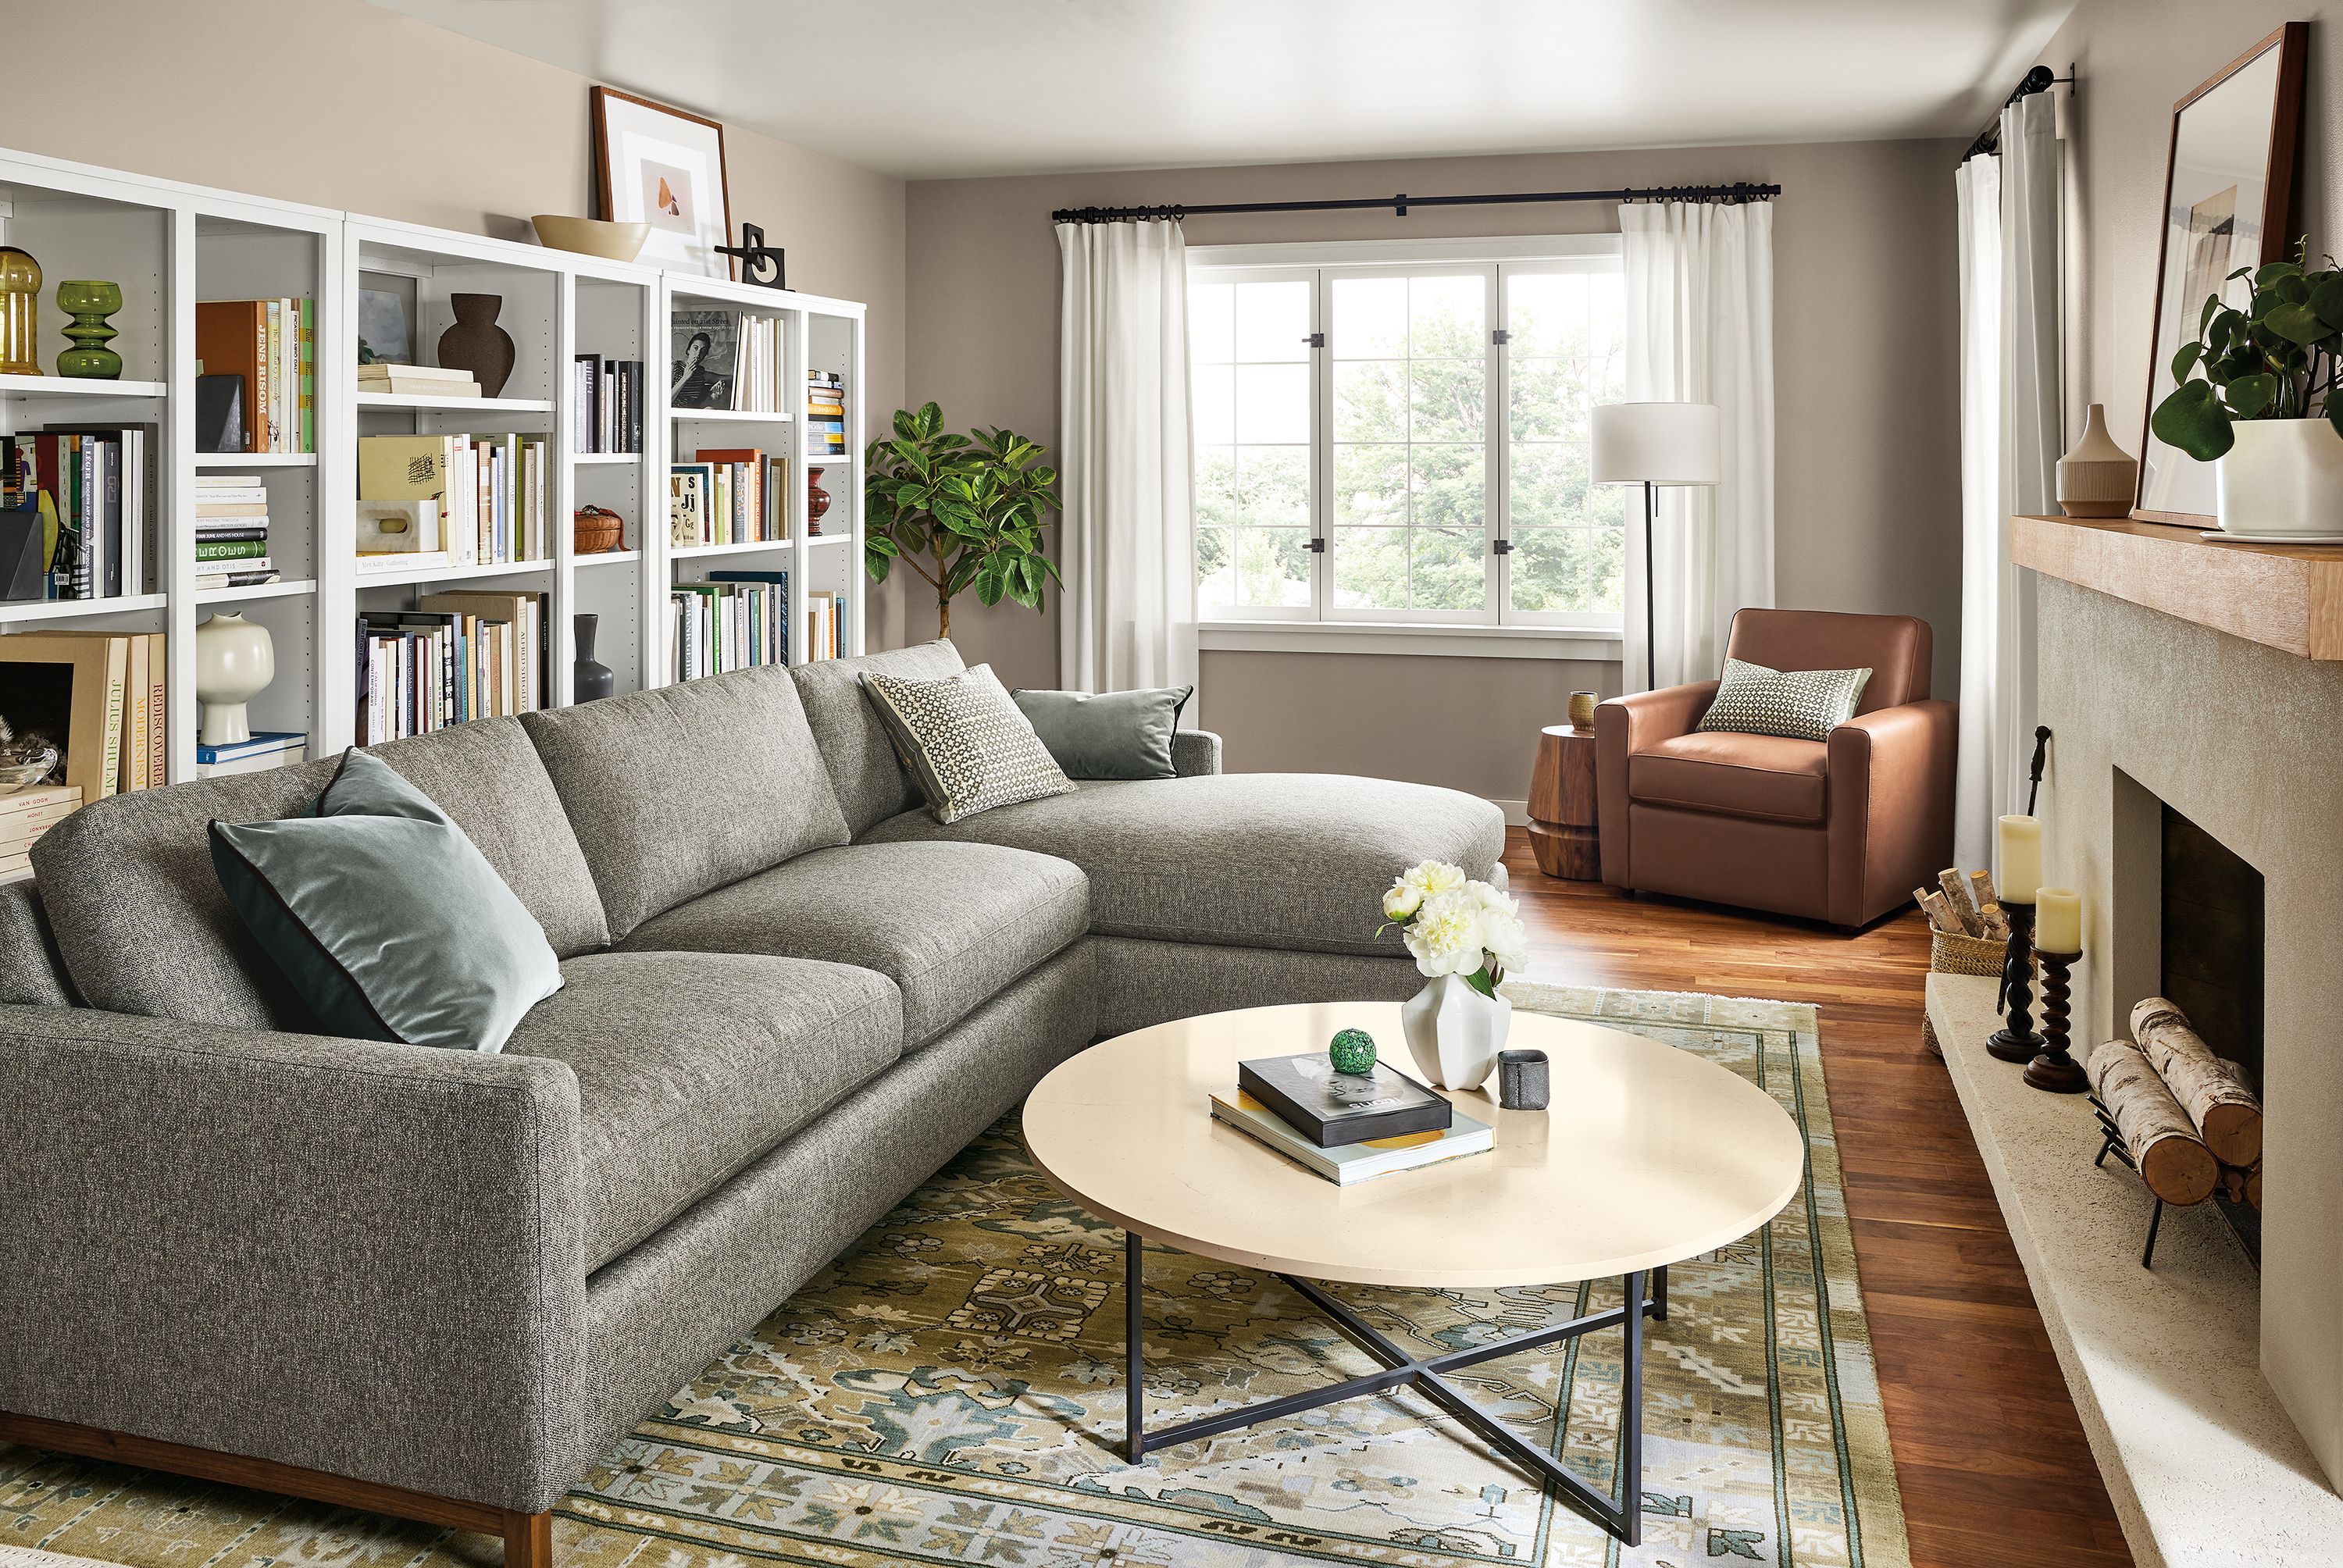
(948, 1393)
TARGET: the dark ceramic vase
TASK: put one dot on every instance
(476, 344)
(817, 500)
(588, 677)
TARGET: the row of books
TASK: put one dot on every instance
(729, 496)
(25, 815)
(826, 613)
(271, 346)
(97, 697)
(416, 380)
(232, 531)
(1347, 1127)
(455, 657)
(434, 501)
(94, 487)
(734, 621)
(605, 402)
(825, 414)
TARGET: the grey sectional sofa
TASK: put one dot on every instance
(440, 1284)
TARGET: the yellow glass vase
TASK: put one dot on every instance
(20, 313)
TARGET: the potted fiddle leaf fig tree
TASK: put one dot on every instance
(962, 511)
(2257, 398)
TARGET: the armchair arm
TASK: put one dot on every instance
(1623, 727)
(354, 1257)
(1891, 807)
(1195, 751)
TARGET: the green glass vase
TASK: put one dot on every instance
(20, 313)
(89, 303)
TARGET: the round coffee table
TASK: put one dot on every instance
(1648, 1156)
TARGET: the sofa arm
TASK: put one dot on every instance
(1623, 727)
(353, 1257)
(1891, 807)
(1195, 751)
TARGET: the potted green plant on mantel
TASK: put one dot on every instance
(2257, 398)
(962, 511)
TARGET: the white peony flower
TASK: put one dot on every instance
(1401, 900)
(1507, 940)
(1446, 934)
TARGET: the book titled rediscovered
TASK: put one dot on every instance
(1350, 1162)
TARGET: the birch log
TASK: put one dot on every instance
(2219, 1102)
(1988, 907)
(2170, 1158)
(1956, 894)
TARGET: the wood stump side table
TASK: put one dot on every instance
(1562, 804)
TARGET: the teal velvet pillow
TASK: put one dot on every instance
(388, 921)
(1111, 735)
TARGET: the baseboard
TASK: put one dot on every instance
(1517, 812)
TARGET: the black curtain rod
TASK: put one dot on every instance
(1742, 191)
(2037, 80)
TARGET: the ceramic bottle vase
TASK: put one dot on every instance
(476, 344)
(2097, 479)
(817, 500)
(235, 662)
(89, 302)
(1454, 1032)
(589, 678)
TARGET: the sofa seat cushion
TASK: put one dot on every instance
(953, 925)
(691, 1065)
(1768, 777)
(1287, 860)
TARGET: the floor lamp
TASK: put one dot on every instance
(1654, 443)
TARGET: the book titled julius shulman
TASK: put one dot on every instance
(1331, 1108)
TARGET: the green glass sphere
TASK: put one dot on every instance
(1351, 1050)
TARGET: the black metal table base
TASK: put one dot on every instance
(1621, 1516)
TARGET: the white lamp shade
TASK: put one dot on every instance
(1656, 443)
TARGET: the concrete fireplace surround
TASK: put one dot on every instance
(2210, 1459)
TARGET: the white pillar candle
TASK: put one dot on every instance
(2021, 860)
(2058, 922)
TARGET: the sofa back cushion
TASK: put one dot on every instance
(687, 787)
(143, 925)
(30, 973)
(869, 779)
(1896, 648)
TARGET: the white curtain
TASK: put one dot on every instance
(1700, 329)
(1126, 536)
(2012, 435)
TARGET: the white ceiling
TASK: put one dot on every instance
(928, 89)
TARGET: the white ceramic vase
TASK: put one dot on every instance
(2283, 476)
(1454, 1032)
(235, 662)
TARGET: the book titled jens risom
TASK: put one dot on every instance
(1332, 1108)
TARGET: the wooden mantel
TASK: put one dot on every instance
(2286, 597)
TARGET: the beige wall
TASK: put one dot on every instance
(1867, 485)
(342, 104)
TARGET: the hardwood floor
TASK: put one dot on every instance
(1992, 1460)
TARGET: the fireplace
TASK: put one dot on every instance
(2209, 939)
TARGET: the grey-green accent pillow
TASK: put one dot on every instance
(1801, 704)
(1110, 734)
(965, 741)
(388, 921)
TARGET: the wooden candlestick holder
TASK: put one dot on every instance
(2052, 1069)
(2015, 1040)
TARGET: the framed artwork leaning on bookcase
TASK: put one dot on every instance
(664, 167)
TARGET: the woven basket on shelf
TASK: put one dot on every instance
(1951, 954)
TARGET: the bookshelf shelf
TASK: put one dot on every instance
(424, 402)
(392, 579)
(728, 416)
(15, 610)
(78, 386)
(610, 559)
(255, 459)
(754, 547)
(606, 459)
(294, 590)
(819, 540)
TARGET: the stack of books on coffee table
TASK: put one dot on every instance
(1347, 1127)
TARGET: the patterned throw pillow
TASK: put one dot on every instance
(965, 741)
(1802, 704)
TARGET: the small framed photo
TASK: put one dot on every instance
(704, 358)
(664, 167)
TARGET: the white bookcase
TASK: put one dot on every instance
(170, 244)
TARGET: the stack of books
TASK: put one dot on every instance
(735, 620)
(1347, 1127)
(23, 818)
(825, 414)
(265, 749)
(455, 657)
(730, 496)
(232, 531)
(271, 345)
(826, 615)
(605, 402)
(99, 696)
(418, 380)
(494, 494)
(98, 485)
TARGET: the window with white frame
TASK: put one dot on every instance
(1386, 433)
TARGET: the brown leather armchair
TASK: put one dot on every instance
(1839, 831)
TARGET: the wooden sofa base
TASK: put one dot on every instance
(528, 1537)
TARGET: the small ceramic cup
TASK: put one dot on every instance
(1523, 1081)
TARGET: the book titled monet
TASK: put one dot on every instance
(1331, 1108)
(1347, 1163)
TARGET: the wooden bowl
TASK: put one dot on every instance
(596, 530)
(591, 235)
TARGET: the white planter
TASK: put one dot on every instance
(2283, 476)
(1454, 1032)
(235, 662)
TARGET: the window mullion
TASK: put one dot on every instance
(1497, 513)
(1321, 447)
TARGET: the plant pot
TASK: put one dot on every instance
(1454, 1032)
(2283, 476)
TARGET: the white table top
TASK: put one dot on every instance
(1649, 1155)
